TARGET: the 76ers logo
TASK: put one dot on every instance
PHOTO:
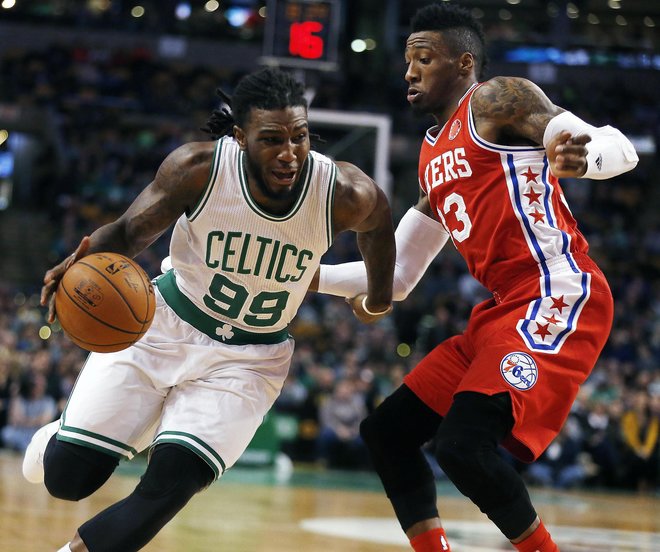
(519, 370)
(454, 129)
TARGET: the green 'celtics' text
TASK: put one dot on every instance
(256, 255)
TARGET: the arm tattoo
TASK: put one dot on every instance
(516, 106)
(174, 190)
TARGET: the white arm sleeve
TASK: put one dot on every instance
(418, 240)
(610, 153)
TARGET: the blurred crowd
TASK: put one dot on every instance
(117, 115)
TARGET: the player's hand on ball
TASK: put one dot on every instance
(54, 275)
(567, 155)
(365, 314)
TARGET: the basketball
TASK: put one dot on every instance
(105, 302)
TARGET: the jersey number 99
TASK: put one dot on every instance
(228, 299)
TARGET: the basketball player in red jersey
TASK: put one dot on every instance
(488, 173)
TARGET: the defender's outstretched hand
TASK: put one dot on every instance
(54, 275)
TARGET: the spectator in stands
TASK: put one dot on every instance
(339, 441)
(29, 409)
(560, 465)
(640, 428)
(320, 383)
(600, 427)
(438, 326)
(5, 387)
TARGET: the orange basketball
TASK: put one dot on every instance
(105, 302)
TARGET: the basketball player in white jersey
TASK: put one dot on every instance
(254, 211)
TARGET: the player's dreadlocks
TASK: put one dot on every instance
(462, 32)
(266, 89)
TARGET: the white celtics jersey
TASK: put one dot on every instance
(239, 273)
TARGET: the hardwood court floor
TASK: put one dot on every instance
(254, 510)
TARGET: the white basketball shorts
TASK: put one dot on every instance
(176, 385)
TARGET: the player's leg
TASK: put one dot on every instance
(206, 424)
(467, 452)
(73, 472)
(397, 429)
(110, 415)
(394, 434)
(466, 449)
(518, 392)
(174, 475)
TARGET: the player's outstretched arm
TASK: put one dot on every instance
(361, 206)
(577, 149)
(419, 238)
(514, 111)
(177, 186)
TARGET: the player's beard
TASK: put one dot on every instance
(419, 111)
(254, 169)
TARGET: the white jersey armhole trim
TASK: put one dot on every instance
(213, 176)
(330, 204)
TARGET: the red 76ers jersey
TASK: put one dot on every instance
(508, 218)
(503, 209)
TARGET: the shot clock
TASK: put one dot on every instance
(302, 33)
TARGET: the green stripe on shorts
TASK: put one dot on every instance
(196, 445)
(95, 441)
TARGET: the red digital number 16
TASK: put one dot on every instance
(303, 42)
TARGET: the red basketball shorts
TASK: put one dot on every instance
(538, 341)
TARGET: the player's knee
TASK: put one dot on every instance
(464, 451)
(174, 475)
(73, 472)
(467, 440)
(456, 453)
(380, 435)
(401, 421)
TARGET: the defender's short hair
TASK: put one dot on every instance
(462, 32)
